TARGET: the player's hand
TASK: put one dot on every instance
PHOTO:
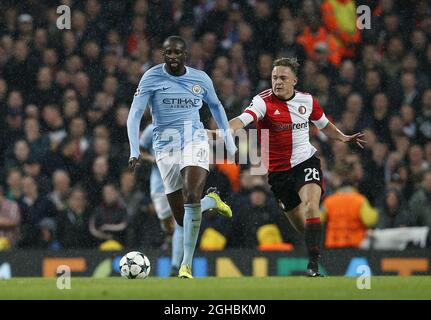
(356, 138)
(134, 164)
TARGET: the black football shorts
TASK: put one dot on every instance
(285, 185)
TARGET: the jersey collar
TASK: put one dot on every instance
(167, 73)
(285, 100)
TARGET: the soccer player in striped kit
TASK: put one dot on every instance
(294, 172)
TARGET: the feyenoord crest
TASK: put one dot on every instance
(196, 89)
(302, 109)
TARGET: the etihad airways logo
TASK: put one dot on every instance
(182, 102)
(290, 126)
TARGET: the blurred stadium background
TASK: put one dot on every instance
(64, 101)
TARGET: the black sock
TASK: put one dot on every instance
(313, 235)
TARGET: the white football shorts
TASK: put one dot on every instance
(170, 163)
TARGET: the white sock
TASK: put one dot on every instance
(192, 223)
(177, 246)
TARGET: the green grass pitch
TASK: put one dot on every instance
(244, 288)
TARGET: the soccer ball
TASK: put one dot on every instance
(135, 265)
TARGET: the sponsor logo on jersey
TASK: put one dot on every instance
(183, 103)
(290, 126)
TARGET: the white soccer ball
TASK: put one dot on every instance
(135, 265)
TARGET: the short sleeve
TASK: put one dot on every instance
(257, 108)
(317, 115)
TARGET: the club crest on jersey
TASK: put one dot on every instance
(196, 89)
(302, 109)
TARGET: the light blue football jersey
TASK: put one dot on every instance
(175, 102)
(146, 142)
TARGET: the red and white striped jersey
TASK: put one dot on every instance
(288, 125)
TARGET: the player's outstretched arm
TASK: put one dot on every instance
(236, 124)
(331, 131)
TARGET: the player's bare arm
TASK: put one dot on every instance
(333, 132)
(236, 124)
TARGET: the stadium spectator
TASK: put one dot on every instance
(317, 40)
(376, 173)
(424, 117)
(73, 229)
(262, 79)
(339, 18)
(60, 189)
(257, 213)
(130, 194)
(99, 177)
(13, 130)
(38, 142)
(20, 155)
(13, 190)
(393, 214)
(417, 166)
(109, 220)
(33, 168)
(47, 234)
(346, 213)
(10, 219)
(61, 157)
(34, 208)
(420, 202)
(45, 91)
(288, 46)
(76, 132)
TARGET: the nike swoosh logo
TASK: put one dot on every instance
(165, 88)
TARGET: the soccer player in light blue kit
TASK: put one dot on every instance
(160, 201)
(176, 93)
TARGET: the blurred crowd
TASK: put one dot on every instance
(65, 96)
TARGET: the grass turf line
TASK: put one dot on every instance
(243, 288)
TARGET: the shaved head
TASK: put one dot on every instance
(175, 54)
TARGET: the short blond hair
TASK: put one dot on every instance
(291, 63)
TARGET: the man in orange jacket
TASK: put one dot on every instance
(347, 213)
(314, 35)
(339, 18)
